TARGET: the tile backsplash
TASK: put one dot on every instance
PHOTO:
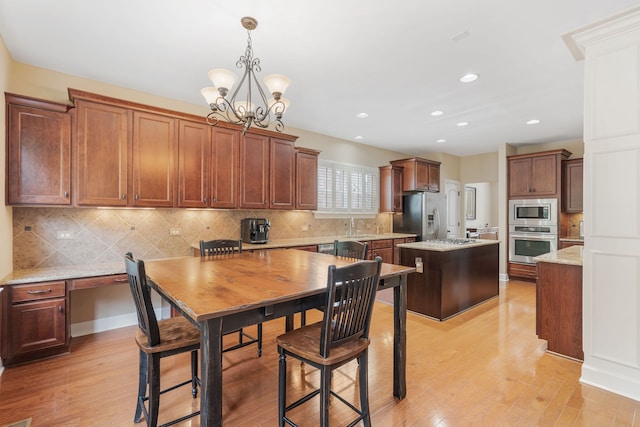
(104, 235)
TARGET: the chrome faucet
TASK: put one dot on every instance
(352, 224)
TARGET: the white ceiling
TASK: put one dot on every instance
(394, 60)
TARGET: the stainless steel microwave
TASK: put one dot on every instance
(533, 212)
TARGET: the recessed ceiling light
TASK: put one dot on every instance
(358, 137)
(468, 78)
(440, 141)
(437, 113)
(533, 122)
(461, 124)
(362, 115)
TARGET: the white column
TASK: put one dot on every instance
(611, 281)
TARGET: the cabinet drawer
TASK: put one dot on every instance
(378, 244)
(97, 282)
(37, 291)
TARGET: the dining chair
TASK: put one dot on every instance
(341, 336)
(219, 247)
(157, 339)
(344, 249)
(350, 249)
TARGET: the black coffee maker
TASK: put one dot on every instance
(254, 230)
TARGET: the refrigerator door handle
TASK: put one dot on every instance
(436, 222)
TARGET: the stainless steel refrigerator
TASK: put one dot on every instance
(423, 214)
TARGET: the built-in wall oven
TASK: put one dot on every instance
(533, 229)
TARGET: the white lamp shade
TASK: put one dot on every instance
(222, 78)
(280, 108)
(211, 94)
(277, 83)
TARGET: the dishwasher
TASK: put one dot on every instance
(325, 248)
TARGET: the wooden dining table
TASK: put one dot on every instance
(223, 293)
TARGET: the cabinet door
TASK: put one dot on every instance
(306, 180)
(519, 177)
(572, 186)
(153, 156)
(224, 165)
(434, 178)
(254, 171)
(391, 188)
(102, 148)
(544, 175)
(385, 253)
(282, 174)
(38, 325)
(194, 152)
(38, 156)
(422, 176)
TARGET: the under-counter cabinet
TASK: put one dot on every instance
(419, 174)
(36, 322)
(536, 175)
(381, 248)
(38, 151)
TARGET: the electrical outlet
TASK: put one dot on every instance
(64, 235)
(175, 231)
(419, 265)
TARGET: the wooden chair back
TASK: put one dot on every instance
(219, 247)
(350, 249)
(351, 293)
(147, 321)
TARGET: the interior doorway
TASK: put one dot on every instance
(452, 190)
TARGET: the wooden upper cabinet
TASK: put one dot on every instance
(391, 188)
(419, 174)
(572, 185)
(154, 145)
(224, 168)
(254, 171)
(536, 175)
(194, 153)
(38, 151)
(306, 179)
(102, 149)
(282, 174)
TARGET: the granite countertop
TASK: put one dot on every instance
(33, 275)
(443, 247)
(310, 241)
(570, 256)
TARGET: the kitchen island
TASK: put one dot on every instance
(455, 275)
(559, 301)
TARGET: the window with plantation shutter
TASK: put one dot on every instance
(347, 189)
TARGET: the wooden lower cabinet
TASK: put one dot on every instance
(559, 308)
(525, 272)
(382, 248)
(36, 322)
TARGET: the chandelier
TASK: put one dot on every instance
(240, 107)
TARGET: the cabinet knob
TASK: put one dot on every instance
(215, 199)
(137, 196)
(59, 309)
(123, 196)
(66, 194)
(204, 200)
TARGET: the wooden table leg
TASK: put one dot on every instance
(400, 338)
(211, 373)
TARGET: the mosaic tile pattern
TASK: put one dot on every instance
(104, 235)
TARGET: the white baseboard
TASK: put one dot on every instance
(114, 322)
(503, 277)
(615, 382)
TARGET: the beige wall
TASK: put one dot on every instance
(6, 230)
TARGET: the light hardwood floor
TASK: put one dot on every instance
(485, 367)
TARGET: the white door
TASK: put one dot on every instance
(452, 189)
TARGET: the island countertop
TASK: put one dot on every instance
(570, 256)
(441, 246)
